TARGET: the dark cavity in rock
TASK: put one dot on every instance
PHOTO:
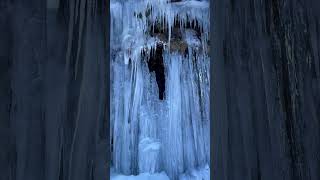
(155, 63)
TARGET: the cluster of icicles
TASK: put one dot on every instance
(129, 31)
(148, 134)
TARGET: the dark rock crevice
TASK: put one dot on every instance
(155, 64)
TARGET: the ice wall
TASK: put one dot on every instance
(151, 134)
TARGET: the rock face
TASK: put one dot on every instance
(266, 90)
(54, 94)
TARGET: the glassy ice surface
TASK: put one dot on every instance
(160, 89)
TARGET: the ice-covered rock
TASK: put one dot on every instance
(197, 174)
(148, 155)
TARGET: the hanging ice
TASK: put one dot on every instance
(160, 87)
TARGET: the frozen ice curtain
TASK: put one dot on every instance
(160, 91)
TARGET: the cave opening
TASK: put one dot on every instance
(155, 64)
(155, 61)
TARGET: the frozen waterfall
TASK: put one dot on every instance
(160, 87)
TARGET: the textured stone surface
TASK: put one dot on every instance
(54, 94)
(266, 90)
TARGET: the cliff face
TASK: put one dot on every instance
(266, 90)
(54, 92)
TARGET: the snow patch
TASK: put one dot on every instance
(143, 176)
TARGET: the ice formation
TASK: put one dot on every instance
(202, 173)
(142, 176)
(159, 120)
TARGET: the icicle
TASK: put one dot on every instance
(169, 29)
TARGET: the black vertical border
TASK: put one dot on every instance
(217, 91)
